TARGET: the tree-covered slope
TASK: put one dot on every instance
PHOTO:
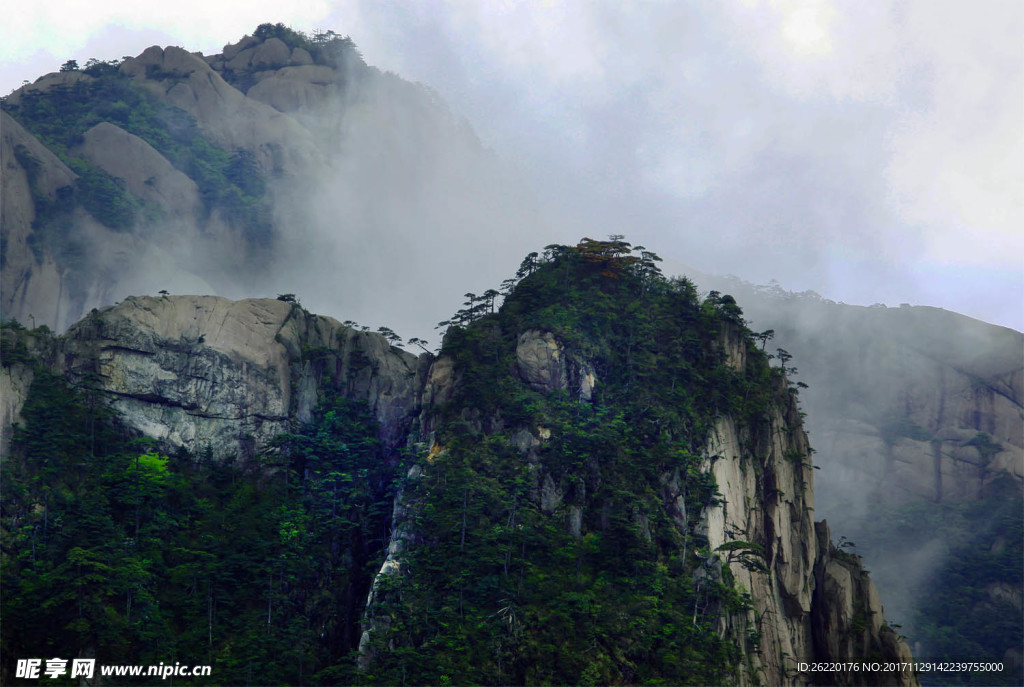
(116, 551)
(565, 525)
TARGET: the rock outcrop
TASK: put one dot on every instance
(848, 625)
(543, 364)
(146, 173)
(206, 373)
(280, 144)
(31, 283)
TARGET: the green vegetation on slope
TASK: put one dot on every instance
(496, 589)
(112, 550)
(60, 115)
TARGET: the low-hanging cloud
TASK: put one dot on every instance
(881, 140)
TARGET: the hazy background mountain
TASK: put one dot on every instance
(258, 170)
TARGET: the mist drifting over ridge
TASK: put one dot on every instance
(409, 211)
(364, 195)
(869, 155)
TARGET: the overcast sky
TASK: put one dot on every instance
(870, 151)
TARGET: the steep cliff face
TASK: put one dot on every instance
(822, 603)
(203, 372)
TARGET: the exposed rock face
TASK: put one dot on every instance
(198, 371)
(540, 361)
(28, 284)
(14, 385)
(849, 624)
(226, 115)
(544, 365)
(145, 172)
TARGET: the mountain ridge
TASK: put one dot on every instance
(158, 359)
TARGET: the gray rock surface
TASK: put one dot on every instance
(300, 57)
(198, 371)
(233, 49)
(34, 287)
(849, 621)
(271, 54)
(540, 359)
(224, 113)
(545, 366)
(145, 172)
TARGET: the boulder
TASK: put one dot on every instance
(232, 49)
(541, 361)
(240, 62)
(545, 366)
(300, 56)
(271, 54)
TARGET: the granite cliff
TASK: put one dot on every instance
(203, 372)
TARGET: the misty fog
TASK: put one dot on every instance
(409, 213)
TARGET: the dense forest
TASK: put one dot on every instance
(115, 551)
